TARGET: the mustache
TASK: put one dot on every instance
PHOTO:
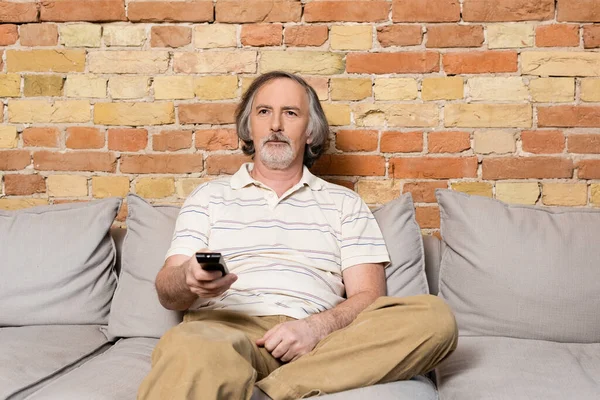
(276, 137)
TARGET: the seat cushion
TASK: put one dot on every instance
(115, 374)
(500, 368)
(31, 355)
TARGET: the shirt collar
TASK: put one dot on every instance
(242, 178)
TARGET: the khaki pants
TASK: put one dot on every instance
(212, 354)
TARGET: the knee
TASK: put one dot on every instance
(438, 318)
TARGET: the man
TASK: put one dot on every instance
(295, 246)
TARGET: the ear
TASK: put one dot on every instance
(309, 138)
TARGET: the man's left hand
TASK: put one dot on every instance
(290, 340)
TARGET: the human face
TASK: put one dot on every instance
(278, 124)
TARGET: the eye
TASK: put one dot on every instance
(291, 113)
(263, 111)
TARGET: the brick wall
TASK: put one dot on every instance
(499, 98)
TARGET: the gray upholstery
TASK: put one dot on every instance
(433, 254)
(500, 368)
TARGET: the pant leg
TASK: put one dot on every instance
(211, 355)
(392, 339)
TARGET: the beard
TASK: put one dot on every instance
(276, 156)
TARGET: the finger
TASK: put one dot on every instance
(291, 354)
(267, 335)
(272, 342)
(282, 348)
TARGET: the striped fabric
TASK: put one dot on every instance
(288, 252)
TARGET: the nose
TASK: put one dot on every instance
(276, 122)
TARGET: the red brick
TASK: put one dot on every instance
(172, 140)
(569, 116)
(207, 113)
(342, 182)
(543, 142)
(84, 138)
(18, 12)
(23, 185)
(448, 142)
(262, 35)
(74, 161)
(584, 143)
(507, 10)
(170, 11)
(428, 217)
(40, 137)
(434, 167)
(424, 192)
(588, 169)
(39, 35)
(425, 11)
(8, 34)
(578, 10)
(346, 11)
(351, 165)
(123, 212)
(306, 35)
(480, 62)
(258, 11)
(399, 35)
(218, 164)
(161, 163)
(454, 36)
(527, 167)
(393, 63)
(591, 36)
(217, 139)
(170, 36)
(401, 142)
(13, 160)
(127, 139)
(83, 10)
(359, 140)
(558, 35)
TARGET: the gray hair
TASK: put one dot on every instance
(318, 128)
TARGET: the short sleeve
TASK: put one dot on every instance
(362, 240)
(192, 227)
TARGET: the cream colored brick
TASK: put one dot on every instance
(110, 186)
(220, 62)
(302, 62)
(59, 60)
(216, 87)
(129, 87)
(503, 36)
(185, 186)
(173, 87)
(67, 186)
(474, 188)
(560, 63)
(497, 89)
(85, 86)
(80, 35)
(134, 114)
(498, 142)
(595, 198)
(215, 35)
(402, 115)
(10, 85)
(43, 85)
(351, 37)
(20, 203)
(65, 111)
(450, 88)
(488, 115)
(518, 192)
(350, 89)
(155, 188)
(337, 114)
(396, 89)
(128, 62)
(320, 84)
(378, 192)
(564, 194)
(124, 35)
(552, 90)
(9, 138)
(590, 89)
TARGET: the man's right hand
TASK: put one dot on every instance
(206, 284)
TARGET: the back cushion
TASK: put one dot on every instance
(521, 271)
(57, 264)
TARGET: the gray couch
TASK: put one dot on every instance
(516, 341)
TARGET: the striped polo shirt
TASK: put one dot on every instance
(288, 252)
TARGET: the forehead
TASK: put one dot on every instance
(282, 91)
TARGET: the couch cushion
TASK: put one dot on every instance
(507, 368)
(520, 271)
(402, 235)
(115, 374)
(135, 309)
(31, 355)
(57, 264)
